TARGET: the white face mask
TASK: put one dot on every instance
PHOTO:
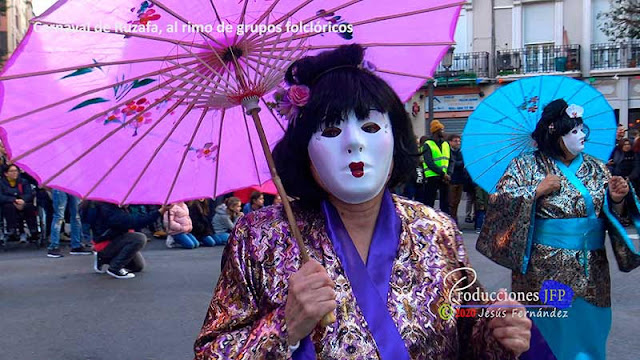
(353, 158)
(574, 140)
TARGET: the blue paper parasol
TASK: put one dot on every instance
(500, 128)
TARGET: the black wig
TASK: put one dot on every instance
(338, 86)
(554, 124)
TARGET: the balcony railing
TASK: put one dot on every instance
(474, 64)
(536, 59)
(615, 55)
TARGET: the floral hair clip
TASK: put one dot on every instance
(289, 101)
(551, 128)
(575, 111)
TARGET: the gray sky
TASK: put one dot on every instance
(39, 6)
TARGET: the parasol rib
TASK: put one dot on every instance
(408, 13)
(279, 70)
(198, 74)
(238, 74)
(183, 20)
(244, 11)
(505, 116)
(597, 114)
(519, 147)
(500, 123)
(513, 139)
(253, 152)
(184, 156)
(306, 21)
(558, 87)
(215, 183)
(283, 18)
(378, 19)
(523, 141)
(404, 74)
(368, 45)
(215, 11)
(92, 118)
(232, 85)
(584, 86)
(89, 92)
(239, 71)
(88, 66)
(260, 19)
(277, 118)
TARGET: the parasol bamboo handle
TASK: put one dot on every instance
(329, 317)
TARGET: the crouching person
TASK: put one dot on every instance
(116, 243)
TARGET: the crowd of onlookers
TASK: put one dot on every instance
(441, 174)
(115, 234)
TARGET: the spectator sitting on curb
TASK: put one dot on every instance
(202, 227)
(225, 219)
(116, 243)
(16, 197)
(179, 226)
(256, 201)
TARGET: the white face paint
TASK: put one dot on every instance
(574, 140)
(353, 158)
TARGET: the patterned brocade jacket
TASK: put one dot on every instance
(245, 319)
(513, 207)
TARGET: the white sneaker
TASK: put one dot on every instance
(121, 274)
(170, 242)
(23, 238)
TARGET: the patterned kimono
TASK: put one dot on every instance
(560, 237)
(246, 317)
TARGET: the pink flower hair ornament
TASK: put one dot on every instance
(289, 101)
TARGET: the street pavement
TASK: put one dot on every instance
(60, 309)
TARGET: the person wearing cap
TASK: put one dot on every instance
(437, 166)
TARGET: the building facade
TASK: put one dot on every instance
(500, 41)
(13, 25)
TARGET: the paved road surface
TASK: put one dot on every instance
(59, 309)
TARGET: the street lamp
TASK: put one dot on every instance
(447, 62)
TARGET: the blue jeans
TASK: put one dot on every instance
(221, 238)
(480, 214)
(208, 241)
(186, 240)
(60, 201)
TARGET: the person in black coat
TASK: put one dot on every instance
(16, 197)
(116, 242)
(201, 220)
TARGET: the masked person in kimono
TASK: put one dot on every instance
(379, 262)
(547, 221)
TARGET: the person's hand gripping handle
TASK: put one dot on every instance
(311, 298)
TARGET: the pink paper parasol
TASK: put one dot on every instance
(267, 188)
(140, 105)
(134, 101)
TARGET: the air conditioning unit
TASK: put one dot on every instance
(510, 61)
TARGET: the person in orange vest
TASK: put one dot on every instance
(436, 154)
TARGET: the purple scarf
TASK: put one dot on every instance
(370, 282)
